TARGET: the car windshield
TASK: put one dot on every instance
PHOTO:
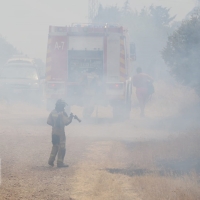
(19, 72)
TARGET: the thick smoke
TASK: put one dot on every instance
(153, 157)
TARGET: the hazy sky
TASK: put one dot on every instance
(25, 23)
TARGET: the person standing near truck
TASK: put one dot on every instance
(58, 119)
(144, 88)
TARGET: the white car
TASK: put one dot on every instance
(21, 81)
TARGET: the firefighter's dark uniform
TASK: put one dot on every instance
(58, 121)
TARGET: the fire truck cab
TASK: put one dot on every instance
(89, 65)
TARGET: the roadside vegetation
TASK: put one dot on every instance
(7, 50)
(170, 168)
(181, 53)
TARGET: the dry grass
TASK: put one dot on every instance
(155, 187)
(158, 182)
(177, 177)
(169, 100)
(88, 176)
(180, 148)
(171, 167)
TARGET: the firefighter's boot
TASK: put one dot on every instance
(61, 156)
(52, 157)
(62, 165)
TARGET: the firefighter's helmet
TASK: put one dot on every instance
(61, 102)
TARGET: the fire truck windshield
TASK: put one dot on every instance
(19, 72)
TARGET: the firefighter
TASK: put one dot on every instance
(144, 88)
(58, 119)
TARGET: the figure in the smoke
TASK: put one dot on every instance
(144, 88)
(58, 119)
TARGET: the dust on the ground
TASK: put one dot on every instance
(132, 159)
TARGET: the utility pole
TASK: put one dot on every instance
(92, 9)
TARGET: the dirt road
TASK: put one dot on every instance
(25, 145)
(94, 150)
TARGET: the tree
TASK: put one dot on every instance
(161, 15)
(182, 51)
(110, 15)
(126, 8)
(6, 51)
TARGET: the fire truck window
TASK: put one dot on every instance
(81, 62)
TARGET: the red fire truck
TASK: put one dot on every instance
(89, 65)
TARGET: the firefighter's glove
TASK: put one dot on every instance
(71, 116)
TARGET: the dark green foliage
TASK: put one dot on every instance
(182, 52)
(126, 8)
(111, 15)
(6, 51)
(161, 15)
